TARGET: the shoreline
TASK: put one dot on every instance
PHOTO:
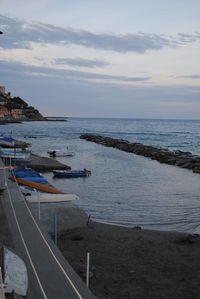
(125, 262)
(128, 262)
(134, 263)
(15, 121)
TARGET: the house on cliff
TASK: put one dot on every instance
(16, 108)
(3, 94)
(3, 91)
(17, 113)
(3, 100)
(4, 112)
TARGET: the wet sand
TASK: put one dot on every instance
(131, 263)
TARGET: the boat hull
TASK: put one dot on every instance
(38, 186)
(71, 174)
(51, 198)
(16, 275)
(55, 154)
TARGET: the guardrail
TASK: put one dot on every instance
(2, 294)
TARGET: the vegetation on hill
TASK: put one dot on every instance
(28, 112)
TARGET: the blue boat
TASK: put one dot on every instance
(6, 141)
(68, 174)
(29, 174)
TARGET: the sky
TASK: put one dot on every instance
(108, 58)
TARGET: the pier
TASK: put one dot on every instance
(56, 118)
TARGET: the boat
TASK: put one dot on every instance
(71, 173)
(6, 141)
(15, 152)
(14, 156)
(15, 273)
(39, 186)
(58, 153)
(33, 196)
(23, 172)
(18, 160)
(31, 178)
(50, 198)
(29, 174)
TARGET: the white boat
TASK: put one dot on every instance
(15, 156)
(50, 198)
(15, 274)
(59, 153)
(6, 150)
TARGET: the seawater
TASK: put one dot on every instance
(124, 188)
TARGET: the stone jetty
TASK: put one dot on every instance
(177, 158)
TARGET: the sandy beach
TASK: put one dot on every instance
(125, 262)
(128, 262)
(132, 263)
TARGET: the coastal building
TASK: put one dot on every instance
(4, 112)
(3, 100)
(8, 96)
(17, 113)
(3, 94)
(3, 90)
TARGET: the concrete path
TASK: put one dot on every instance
(46, 164)
(50, 275)
(2, 178)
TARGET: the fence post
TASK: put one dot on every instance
(55, 229)
(88, 270)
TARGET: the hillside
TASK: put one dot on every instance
(16, 108)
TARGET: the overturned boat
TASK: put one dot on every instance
(15, 273)
(33, 179)
(50, 198)
(45, 187)
(14, 156)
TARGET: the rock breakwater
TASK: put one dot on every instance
(176, 158)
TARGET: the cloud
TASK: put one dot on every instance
(80, 62)
(17, 67)
(189, 76)
(74, 96)
(188, 38)
(19, 35)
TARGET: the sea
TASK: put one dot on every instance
(124, 189)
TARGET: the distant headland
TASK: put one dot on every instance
(15, 109)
